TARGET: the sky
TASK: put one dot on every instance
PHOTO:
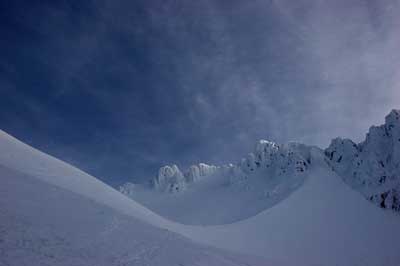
(120, 88)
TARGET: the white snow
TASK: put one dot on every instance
(324, 222)
(170, 179)
(44, 225)
(210, 195)
(372, 166)
(53, 214)
(319, 221)
(23, 158)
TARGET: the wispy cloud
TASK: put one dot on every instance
(126, 86)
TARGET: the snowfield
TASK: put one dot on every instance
(259, 181)
(324, 222)
(41, 224)
(54, 214)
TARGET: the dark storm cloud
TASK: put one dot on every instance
(121, 87)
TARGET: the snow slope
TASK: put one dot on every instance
(23, 158)
(54, 214)
(41, 224)
(324, 222)
(259, 181)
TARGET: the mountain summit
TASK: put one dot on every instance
(258, 181)
(372, 166)
(287, 203)
(268, 157)
(270, 173)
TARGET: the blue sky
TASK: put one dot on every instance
(119, 88)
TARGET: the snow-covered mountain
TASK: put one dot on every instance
(54, 214)
(265, 177)
(372, 166)
(323, 222)
(269, 158)
(270, 174)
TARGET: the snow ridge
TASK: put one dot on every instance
(372, 166)
(171, 179)
(268, 157)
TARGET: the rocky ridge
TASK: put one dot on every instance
(372, 166)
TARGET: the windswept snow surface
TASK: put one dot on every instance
(53, 214)
(23, 158)
(41, 224)
(212, 195)
(323, 222)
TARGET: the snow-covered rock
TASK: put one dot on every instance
(170, 179)
(127, 188)
(260, 180)
(271, 159)
(320, 219)
(205, 169)
(372, 166)
(51, 213)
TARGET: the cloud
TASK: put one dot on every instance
(130, 85)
